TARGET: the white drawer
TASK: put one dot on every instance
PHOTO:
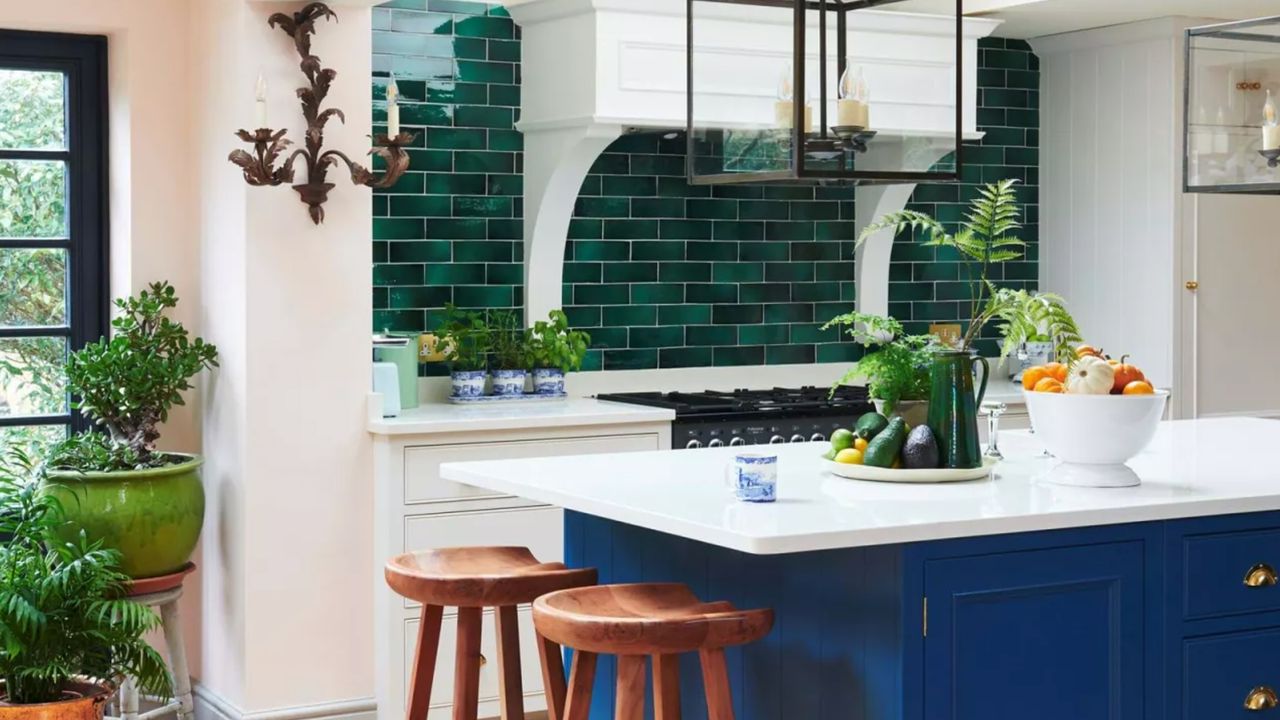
(541, 529)
(423, 484)
(442, 687)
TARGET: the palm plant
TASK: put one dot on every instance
(63, 614)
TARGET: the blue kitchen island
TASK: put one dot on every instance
(998, 599)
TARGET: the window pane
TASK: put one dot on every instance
(31, 377)
(31, 439)
(31, 114)
(33, 199)
(33, 286)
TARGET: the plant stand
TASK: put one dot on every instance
(162, 592)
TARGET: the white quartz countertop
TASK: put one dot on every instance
(1192, 468)
(572, 412)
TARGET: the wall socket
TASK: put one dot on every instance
(947, 333)
(430, 348)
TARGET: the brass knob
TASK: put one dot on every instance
(1260, 575)
(1261, 698)
(483, 660)
(1192, 285)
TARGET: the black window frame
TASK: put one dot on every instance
(83, 59)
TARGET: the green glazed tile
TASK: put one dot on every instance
(679, 187)
(763, 210)
(737, 192)
(749, 231)
(456, 138)
(399, 320)
(657, 250)
(711, 209)
(505, 95)
(482, 71)
(685, 230)
(585, 229)
(712, 250)
(839, 352)
(1005, 136)
(764, 334)
(601, 295)
(420, 205)
(788, 192)
(788, 230)
(684, 272)
(504, 51)
(453, 184)
(817, 251)
(628, 185)
(789, 354)
(609, 338)
(380, 252)
(583, 272)
(643, 142)
(482, 206)
(583, 317)
(991, 78)
(684, 315)
(455, 274)
(804, 333)
(685, 357)
(657, 165)
(935, 310)
(600, 250)
(711, 335)
(408, 184)
(496, 274)
(420, 251)
(815, 292)
(711, 293)
(486, 251)
(457, 6)
(430, 160)
(766, 251)
(765, 292)
(601, 207)
(658, 293)
(629, 315)
(737, 314)
(483, 296)
(380, 205)
(504, 229)
(1022, 156)
(737, 272)
(1007, 59)
(788, 313)
(484, 116)
(630, 229)
(1000, 97)
(611, 163)
(731, 356)
(470, 48)
(419, 114)
(656, 207)
(506, 140)
(398, 274)
(505, 185)
(620, 272)
(398, 229)
(484, 27)
(917, 291)
(380, 298)
(630, 359)
(656, 337)
(818, 210)
(835, 271)
(789, 272)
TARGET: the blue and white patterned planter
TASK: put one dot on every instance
(755, 477)
(468, 383)
(508, 382)
(548, 381)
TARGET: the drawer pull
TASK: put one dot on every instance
(1260, 575)
(1261, 698)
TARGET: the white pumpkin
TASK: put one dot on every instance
(1090, 375)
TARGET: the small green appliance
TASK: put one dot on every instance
(401, 351)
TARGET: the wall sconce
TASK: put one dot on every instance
(268, 144)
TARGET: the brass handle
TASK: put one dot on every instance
(1192, 285)
(483, 660)
(1261, 698)
(1260, 575)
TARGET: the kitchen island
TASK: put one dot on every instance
(1003, 598)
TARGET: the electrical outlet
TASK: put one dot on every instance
(947, 333)
(430, 348)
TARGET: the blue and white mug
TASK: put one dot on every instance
(753, 477)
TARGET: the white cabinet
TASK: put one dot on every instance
(415, 509)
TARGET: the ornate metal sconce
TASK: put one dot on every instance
(268, 145)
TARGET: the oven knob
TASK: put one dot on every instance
(777, 439)
(817, 437)
(715, 442)
(693, 444)
(736, 442)
(797, 438)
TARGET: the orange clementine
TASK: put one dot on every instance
(1049, 385)
(1057, 371)
(1125, 374)
(1032, 375)
(1139, 387)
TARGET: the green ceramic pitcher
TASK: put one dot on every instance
(953, 407)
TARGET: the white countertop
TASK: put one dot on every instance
(1192, 468)
(444, 417)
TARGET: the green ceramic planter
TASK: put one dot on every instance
(153, 517)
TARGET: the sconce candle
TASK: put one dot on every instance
(1270, 125)
(853, 108)
(393, 108)
(784, 108)
(260, 102)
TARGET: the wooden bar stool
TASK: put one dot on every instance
(632, 621)
(471, 579)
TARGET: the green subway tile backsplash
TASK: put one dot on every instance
(662, 273)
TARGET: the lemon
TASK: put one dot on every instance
(861, 444)
(841, 439)
(849, 456)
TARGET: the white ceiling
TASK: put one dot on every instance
(1034, 18)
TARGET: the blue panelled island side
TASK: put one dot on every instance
(999, 599)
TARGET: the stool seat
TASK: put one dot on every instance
(645, 619)
(479, 576)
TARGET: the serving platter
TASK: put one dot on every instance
(890, 475)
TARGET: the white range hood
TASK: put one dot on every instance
(595, 69)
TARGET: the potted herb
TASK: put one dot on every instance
(896, 365)
(114, 485)
(555, 350)
(465, 340)
(510, 352)
(66, 630)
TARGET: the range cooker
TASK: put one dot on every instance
(754, 417)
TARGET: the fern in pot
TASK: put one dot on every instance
(465, 342)
(67, 631)
(555, 350)
(895, 366)
(114, 485)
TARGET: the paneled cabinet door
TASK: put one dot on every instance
(1050, 634)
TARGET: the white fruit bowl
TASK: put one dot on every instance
(1095, 429)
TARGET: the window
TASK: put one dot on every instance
(53, 224)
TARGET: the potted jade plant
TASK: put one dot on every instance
(895, 366)
(555, 350)
(113, 484)
(510, 346)
(465, 341)
(67, 631)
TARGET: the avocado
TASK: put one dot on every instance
(870, 425)
(920, 450)
(884, 447)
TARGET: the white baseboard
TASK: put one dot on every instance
(212, 706)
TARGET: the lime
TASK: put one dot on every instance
(830, 454)
(841, 439)
(849, 456)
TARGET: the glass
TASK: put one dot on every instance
(33, 199)
(32, 381)
(30, 439)
(993, 409)
(33, 287)
(32, 110)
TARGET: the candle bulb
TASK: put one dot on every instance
(784, 107)
(260, 102)
(393, 109)
(1270, 125)
(853, 108)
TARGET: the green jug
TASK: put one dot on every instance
(953, 408)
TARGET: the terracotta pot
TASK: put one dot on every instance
(85, 701)
(915, 412)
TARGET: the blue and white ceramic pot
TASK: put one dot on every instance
(508, 382)
(468, 383)
(548, 381)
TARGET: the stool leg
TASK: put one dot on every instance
(629, 703)
(128, 699)
(172, 623)
(424, 662)
(666, 687)
(577, 706)
(553, 686)
(715, 678)
(466, 675)
(512, 690)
